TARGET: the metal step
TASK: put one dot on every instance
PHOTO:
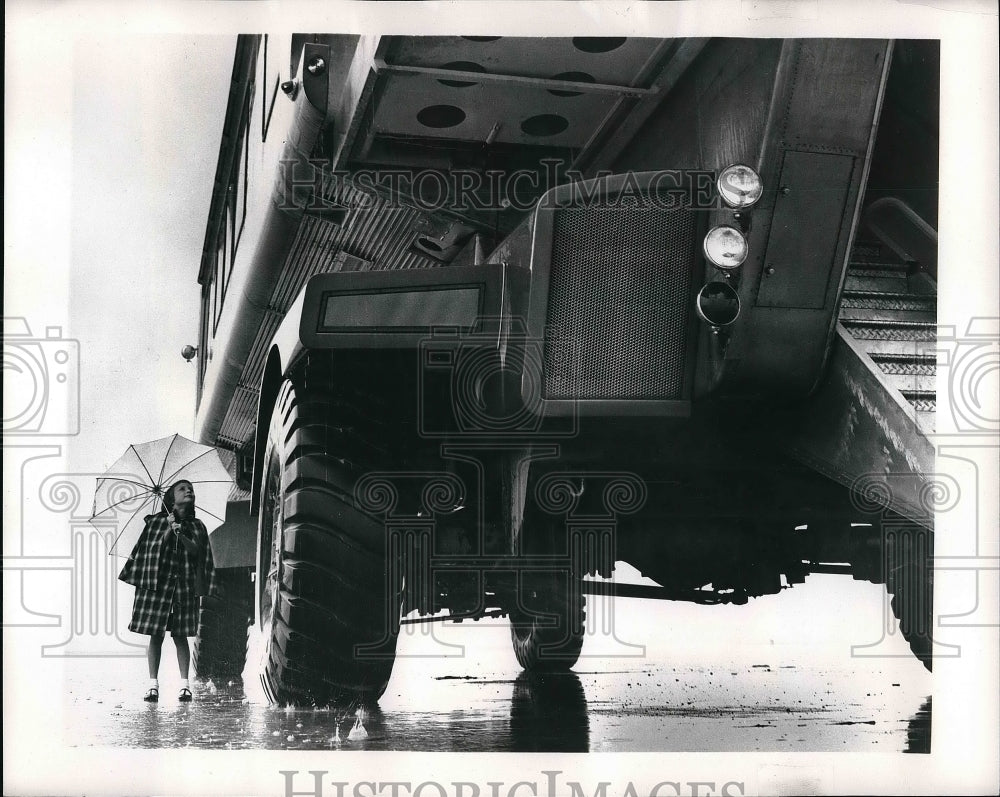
(868, 315)
(920, 396)
(878, 347)
(873, 251)
(878, 329)
(912, 371)
(918, 364)
(915, 373)
(879, 300)
(912, 383)
(885, 268)
(876, 282)
(866, 250)
(925, 403)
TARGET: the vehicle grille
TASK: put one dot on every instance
(619, 303)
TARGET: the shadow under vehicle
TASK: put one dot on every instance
(482, 316)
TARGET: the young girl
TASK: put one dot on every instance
(164, 568)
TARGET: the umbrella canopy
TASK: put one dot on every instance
(135, 485)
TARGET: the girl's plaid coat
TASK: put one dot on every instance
(163, 574)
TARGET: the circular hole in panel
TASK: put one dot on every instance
(718, 304)
(598, 44)
(544, 124)
(439, 116)
(461, 66)
(573, 77)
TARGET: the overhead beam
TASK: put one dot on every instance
(514, 80)
(663, 70)
(356, 97)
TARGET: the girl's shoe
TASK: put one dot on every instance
(152, 695)
(185, 695)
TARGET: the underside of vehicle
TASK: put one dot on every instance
(509, 311)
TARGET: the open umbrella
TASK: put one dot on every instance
(134, 486)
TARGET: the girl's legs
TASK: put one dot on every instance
(153, 660)
(183, 655)
(183, 661)
(153, 654)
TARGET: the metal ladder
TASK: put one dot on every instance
(890, 308)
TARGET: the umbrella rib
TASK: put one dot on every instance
(124, 501)
(151, 480)
(210, 481)
(125, 524)
(189, 463)
(206, 512)
(143, 485)
(123, 479)
(166, 456)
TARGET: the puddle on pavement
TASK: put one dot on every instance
(541, 713)
(530, 713)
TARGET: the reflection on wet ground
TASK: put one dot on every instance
(530, 713)
(660, 677)
(548, 714)
(918, 732)
(542, 713)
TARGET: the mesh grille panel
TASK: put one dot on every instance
(619, 303)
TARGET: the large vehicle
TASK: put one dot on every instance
(482, 316)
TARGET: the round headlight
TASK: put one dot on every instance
(725, 246)
(739, 186)
(718, 304)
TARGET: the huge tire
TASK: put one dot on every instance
(899, 554)
(328, 598)
(219, 649)
(547, 613)
(547, 622)
(909, 567)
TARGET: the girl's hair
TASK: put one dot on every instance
(168, 496)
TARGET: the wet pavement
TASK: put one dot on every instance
(458, 688)
(527, 714)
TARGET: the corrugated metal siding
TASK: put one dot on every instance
(373, 230)
(254, 368)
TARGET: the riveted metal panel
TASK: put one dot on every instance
(504, 105)
(516, 55)
(833, 102)
(805, 230)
